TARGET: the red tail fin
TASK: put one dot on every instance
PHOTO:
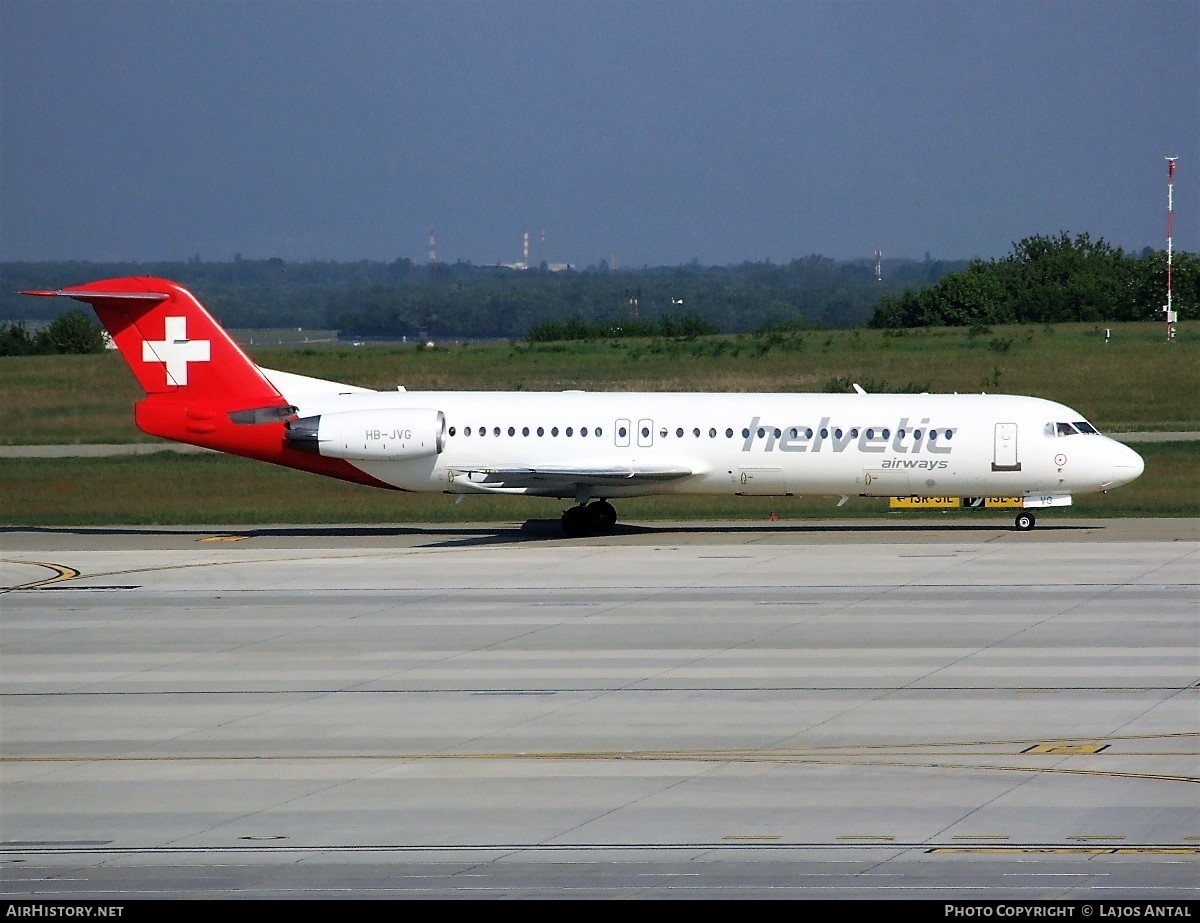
(172, 344)
(201, 388)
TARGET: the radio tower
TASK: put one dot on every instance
(878, 265)
(432, 247)
(525, 250)
(1171, 315)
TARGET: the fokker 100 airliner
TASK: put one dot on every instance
(592, 447)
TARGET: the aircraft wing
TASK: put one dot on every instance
(553, 477)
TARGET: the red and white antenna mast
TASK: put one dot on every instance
(1172, 316)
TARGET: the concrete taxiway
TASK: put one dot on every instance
(727, 710)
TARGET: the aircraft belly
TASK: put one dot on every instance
(760, 481)
(884, 482)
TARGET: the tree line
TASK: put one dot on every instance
(390, 300)
(74, 332)
(1045, 279)
(1050, 280)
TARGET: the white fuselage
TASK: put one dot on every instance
(767, 443)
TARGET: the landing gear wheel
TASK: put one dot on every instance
(593, 519)
(1025, 522)
(576, 522)
(604, 517)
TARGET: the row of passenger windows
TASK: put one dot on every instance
(763, 432)
(525, 431)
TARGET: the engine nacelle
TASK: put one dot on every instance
(367, 434)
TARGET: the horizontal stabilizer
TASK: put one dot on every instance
(90, 296)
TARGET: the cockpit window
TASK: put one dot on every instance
(1054, 430)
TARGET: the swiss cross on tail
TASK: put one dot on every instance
(175, 350)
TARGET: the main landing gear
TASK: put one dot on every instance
(591, 519)
(1024, 521)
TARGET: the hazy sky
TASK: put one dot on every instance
(649, 132)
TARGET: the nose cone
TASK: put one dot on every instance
(1127, 465)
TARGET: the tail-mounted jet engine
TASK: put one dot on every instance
(370, 434)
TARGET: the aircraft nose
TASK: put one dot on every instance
(1127, 465)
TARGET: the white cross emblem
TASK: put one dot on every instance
(175, 350)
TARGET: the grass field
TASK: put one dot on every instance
(1137, 381)
(1134, 382)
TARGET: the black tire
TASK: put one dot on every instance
(1025, 521)
(576, 522)
(603, 516)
